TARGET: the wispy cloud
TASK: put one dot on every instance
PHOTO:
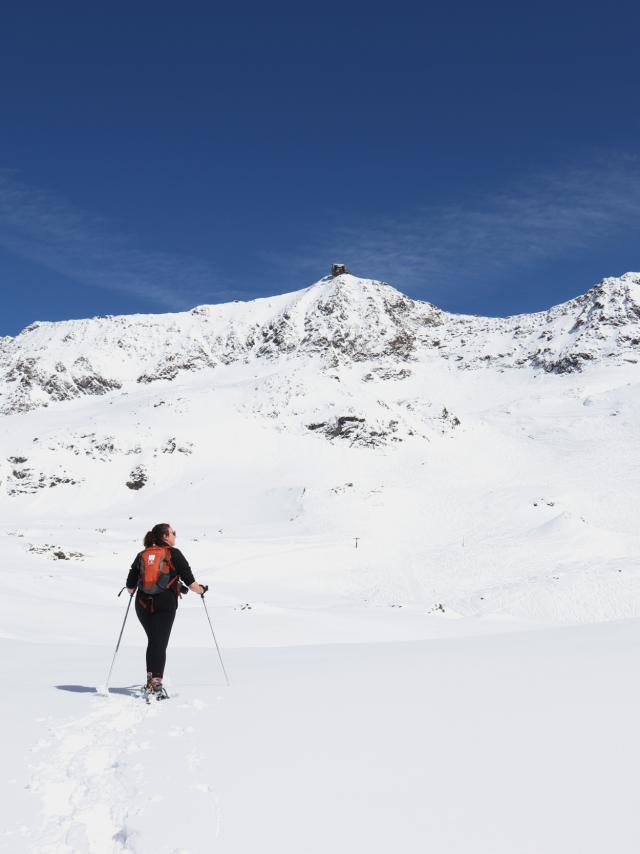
(434, 250)
(543, 217)
(48, 231)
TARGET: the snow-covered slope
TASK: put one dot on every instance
(485, 465)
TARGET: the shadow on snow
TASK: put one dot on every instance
(130, 691)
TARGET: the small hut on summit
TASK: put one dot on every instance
(338, 269)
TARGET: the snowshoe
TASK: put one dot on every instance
(153, 691)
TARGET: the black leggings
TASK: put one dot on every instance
(157, 620)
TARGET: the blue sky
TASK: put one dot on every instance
(158, 156)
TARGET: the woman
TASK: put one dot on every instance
(158, 573)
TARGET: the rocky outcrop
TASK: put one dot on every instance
(30, 383)
(357, 431)
(137, 478)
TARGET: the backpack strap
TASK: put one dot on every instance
(174, 579)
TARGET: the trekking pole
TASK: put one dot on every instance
(118, 644)
(216, 642)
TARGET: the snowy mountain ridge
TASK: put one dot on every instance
(341, 321)
(482, 466)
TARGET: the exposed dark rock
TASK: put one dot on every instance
(56, 481)
(171, 446)
(449, 418)
(402, 345)
(387, 374)
(96, 385)
(356, 431)
(344, 423)
(26, 481)
(137, 478)
(564, 365)
(169, 372)
(55, 552)
(194, 359)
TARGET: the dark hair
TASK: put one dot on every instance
(155, 537)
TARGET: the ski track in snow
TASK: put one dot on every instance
(94, 783)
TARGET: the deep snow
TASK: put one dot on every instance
(498, 743)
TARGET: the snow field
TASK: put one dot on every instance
(533, 491)
(512, 742)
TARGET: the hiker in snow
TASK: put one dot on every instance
(158, 574)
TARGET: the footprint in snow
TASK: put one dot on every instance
(86, 781)
(198, 705)
(208, 790)
(194, 760)
(177, 731)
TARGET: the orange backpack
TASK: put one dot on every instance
(157, 573)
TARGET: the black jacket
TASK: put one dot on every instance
(178, 560)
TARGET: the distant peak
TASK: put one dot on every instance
(613, 283)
